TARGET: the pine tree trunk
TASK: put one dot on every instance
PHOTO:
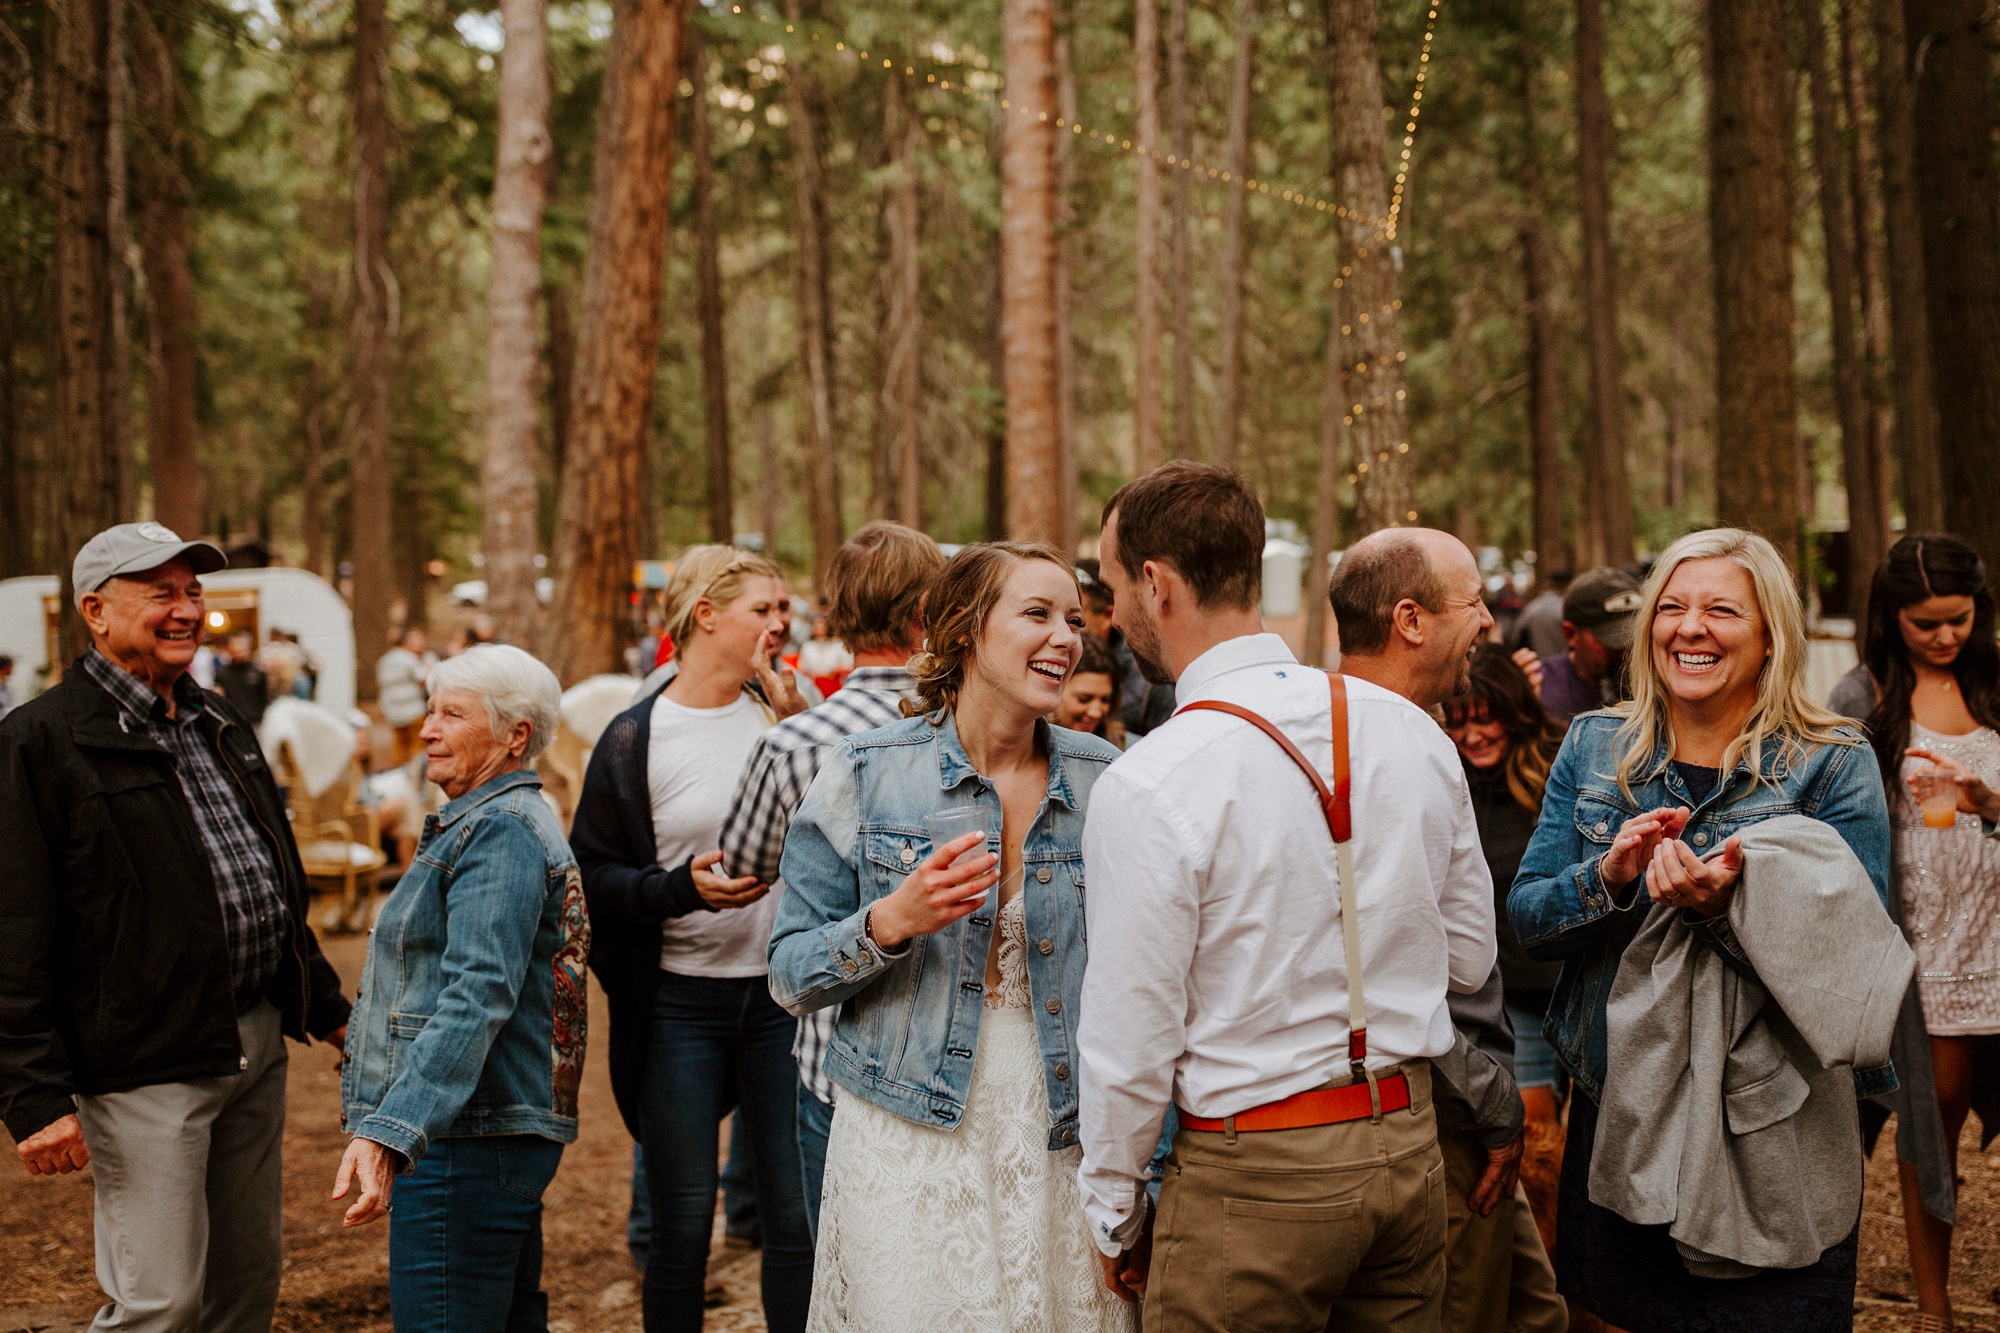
(898, 441)
(1235, 240)
(1922, 487)
(161, 167)
(709, 305)
(1552, 548)
(371, 338)
(1863, 164)
(1867, 516)
(85, 410)
(1609, 489)
(1066, 463)
(1758, 460)
(821, 438)
(510, 517)
(601, 517)
(1961, 243)
(1146, 239)
(1027, 274)
(1365, 299)
(1325, 537)
(118, 240)
(562, 371)
(1180, 282)
(17, 517)
(312, 467)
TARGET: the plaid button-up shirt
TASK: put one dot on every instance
(773, 785)
(254, 918)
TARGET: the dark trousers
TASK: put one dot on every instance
(815, 1123)
(465, 1237)
(719, 1042)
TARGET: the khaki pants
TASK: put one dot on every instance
(1497, 1276)
(1282, 1231)
(189, 1200)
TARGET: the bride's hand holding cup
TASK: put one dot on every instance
(941, 890)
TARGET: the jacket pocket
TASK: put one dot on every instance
(1759, 1085)
(1598, 818)
(407, 1026)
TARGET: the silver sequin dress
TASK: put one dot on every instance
(1951, 895)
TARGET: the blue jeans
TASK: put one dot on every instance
(739, 1200)
(1535, 1063)
(815, 1123)
(719, 1042)
(465, 1237)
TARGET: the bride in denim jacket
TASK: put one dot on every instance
(1642, 808)
(950, 1197)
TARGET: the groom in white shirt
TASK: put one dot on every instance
(1217, 975)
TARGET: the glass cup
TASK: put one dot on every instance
(1937, 797)
(955, 822)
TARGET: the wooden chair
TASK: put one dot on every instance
(340, 842)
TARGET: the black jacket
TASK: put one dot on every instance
(114, 967)
(630, 894)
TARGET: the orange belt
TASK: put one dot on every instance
(1319, 1106)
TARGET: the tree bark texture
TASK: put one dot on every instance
(371, 346)
(1609, 489)
(1861, 469)
(1922, 484)
(1180, 283)
(601, 516)
(1066, 463)
(85, 409)
(898, 439)
(509, 521)
(821, 437)
(17, 514)
(1865, 205)
(1951, 73)
(562, 371)
(1146, 239)
(1325, 536)
(1758, 459)
(1365, 304)
(162, 168)
(118, 238)
(709, 305)
(1028, 273)
(1235, 239)
(1552, 547)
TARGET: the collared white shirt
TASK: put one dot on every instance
(1217, 973)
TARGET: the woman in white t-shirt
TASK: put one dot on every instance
(702, 1034)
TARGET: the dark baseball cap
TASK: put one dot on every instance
(1603, 601)
(134, 548)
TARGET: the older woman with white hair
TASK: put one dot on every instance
(1709, 868)
(466, 1049)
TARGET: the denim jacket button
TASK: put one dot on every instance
(849, 966)
(1043, 875)
(1062, 1069)
(1603, 826)
(1700, 839)
(1069, 1137)
(907, 856)
(1046, 947)
(1052, 1004)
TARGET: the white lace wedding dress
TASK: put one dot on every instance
(976, 1231)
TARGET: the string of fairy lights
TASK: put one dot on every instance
(975, 87)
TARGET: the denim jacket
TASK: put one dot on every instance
(1562, 911)
(909, 1020)
(472, 1012)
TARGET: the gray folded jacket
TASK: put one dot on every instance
(1729, 1112)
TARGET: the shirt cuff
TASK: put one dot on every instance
(1114, 1241)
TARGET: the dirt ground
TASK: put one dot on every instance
(337, 1281)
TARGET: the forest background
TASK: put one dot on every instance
(388, 283)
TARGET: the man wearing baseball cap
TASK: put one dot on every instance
(1597, 616)
(155, 953)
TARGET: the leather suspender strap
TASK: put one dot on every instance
(1336, 804)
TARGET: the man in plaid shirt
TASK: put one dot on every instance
(875, 586)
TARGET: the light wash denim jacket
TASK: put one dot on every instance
(472, 1013)
(909, 1020)
(1559, 905)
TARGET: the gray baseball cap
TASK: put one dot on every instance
(1603, 601)
(134, 548)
